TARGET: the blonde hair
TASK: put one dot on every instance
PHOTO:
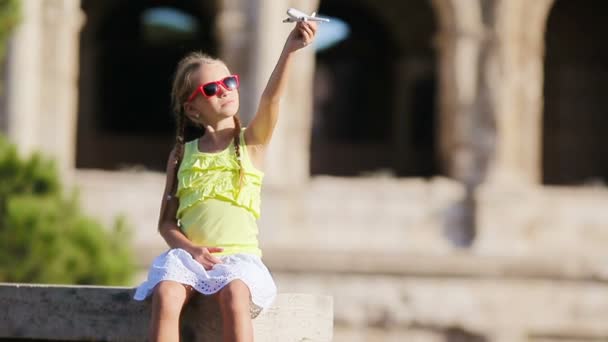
(182, 87)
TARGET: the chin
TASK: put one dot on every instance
(229, 111)
(228, 114)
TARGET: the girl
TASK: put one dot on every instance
(212, 197)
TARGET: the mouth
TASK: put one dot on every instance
(227, 103)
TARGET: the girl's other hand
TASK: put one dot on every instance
(301, 36)
(204, 257)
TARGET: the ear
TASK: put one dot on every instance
(190, 112)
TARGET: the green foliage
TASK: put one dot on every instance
(10, 14)
(44, 236)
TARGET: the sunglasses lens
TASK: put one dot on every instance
(231, 82)
(210, 89)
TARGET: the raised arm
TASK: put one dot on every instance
(262, 125)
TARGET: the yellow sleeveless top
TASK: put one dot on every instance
(213, 211)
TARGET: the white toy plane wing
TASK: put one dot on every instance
(296, 15)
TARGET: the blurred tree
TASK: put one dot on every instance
(45, 238)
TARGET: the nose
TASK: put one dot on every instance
(222, 92)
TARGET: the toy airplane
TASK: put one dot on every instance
(296, 15)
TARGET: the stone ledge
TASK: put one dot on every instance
(76, 313)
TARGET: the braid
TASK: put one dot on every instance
(179, 153)
(237, 148)
(179, 150)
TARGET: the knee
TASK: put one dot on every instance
(169, 296)
(235, 296)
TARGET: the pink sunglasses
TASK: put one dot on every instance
(210, 89)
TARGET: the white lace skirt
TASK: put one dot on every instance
(178, 265)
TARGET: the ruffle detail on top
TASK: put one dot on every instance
(216, 175)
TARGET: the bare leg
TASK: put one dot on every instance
(234, 301)
(167, 302)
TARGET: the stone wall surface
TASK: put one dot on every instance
(492, 308)
(562, 222)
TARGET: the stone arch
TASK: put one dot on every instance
(126, 64)
(491, 55)
(380, 114)
(575, 121)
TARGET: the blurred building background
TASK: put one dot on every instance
(439, 168)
